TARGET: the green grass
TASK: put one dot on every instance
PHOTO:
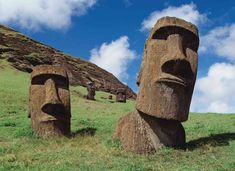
(210, 137)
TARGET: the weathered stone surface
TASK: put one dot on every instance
(24, 53)
(141, 133)
(110, 97)
(121, 95)
(166, 82)
(168, 70)
(90, 91)
(49, 101)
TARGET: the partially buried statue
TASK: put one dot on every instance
(166, 82)
(90, 91)
(121, 95)
(49, 102)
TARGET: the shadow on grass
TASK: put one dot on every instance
(212, 140)
(84, 132)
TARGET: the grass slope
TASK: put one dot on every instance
(210, 137)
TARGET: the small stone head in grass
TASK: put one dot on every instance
(49, 101)
(90, 91)
(121, 95)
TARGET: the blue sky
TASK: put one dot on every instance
(112, 35)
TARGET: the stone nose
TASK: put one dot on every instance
(52, 101)
(175, 49)
(175, 62)
(178, 68)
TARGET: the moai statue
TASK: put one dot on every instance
(121, 95)
(166, 82)
(90, 91)
(49, 101)
(110, 97)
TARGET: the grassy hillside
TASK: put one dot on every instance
(23, 53)
(210, 137)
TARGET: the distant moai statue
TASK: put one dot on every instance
(121, 95)
(166, 82)
(90, 91)
(49, 101)
(110, 97)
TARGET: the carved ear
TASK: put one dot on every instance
(139, 76)
(29, 114)
(29, 111)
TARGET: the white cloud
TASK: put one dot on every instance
(187, 12)
(215, 92)
(220, 41)
(34, 14)
(114, 57)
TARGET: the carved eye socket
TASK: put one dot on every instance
(38, 80)
(59, 81)
(190, 40)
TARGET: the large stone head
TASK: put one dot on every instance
(168, 70)
(49, 103)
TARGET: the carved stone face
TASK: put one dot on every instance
(49, 104)
(121, 95)
(168, 70)
(91, 91)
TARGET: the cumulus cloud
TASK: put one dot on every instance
(114, 57)
(220, 41)
(187, 12)
(35, 14)
(215, 92)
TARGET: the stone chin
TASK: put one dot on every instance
(166, 99)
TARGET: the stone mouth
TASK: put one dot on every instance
(48, 119)
(172, 79)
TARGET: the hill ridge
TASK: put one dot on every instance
(23, 53)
